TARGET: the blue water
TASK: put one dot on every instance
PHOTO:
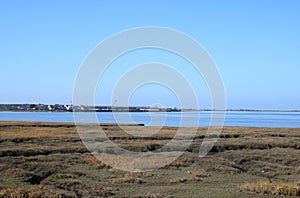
(252, 119)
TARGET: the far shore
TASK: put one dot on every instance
(97, 108)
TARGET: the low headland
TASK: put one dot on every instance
(86, 108)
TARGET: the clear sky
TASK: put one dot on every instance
(255, 44)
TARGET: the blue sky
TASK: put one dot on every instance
(255, 44)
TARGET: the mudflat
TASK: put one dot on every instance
(39, 159)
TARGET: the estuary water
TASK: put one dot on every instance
(251, 119)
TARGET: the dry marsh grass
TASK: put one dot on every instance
(95, 161)
(50, 158)
(129, 179)
(198, 173)
(274, 188)
(31, 192)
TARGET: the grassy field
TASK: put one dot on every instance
(49, 160)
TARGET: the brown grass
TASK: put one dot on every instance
(179, 180)
(148, 195)
(95, 161)
(274, 188)
(198, 173)
(177, 163)
(36, 132)
(128, 179)
(31, 192)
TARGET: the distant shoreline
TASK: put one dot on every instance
(86, 108)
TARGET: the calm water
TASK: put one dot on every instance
(253, 119)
